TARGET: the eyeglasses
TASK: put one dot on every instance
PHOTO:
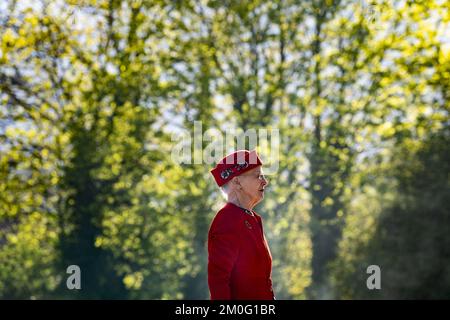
(260, 176)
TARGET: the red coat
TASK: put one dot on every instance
(239, 259)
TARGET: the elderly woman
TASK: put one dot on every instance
(239, 259)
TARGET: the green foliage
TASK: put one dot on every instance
(409, 237)
(28, 258)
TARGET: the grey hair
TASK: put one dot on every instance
(225, 190)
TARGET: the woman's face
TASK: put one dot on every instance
(253, 183)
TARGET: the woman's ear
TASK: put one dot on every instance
(236, 183)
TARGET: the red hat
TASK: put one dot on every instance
(234, 165)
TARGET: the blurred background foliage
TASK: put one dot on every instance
(92, 91)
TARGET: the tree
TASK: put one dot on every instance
(94, 94)
(409, 240)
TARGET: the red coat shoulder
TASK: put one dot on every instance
(228, 220)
